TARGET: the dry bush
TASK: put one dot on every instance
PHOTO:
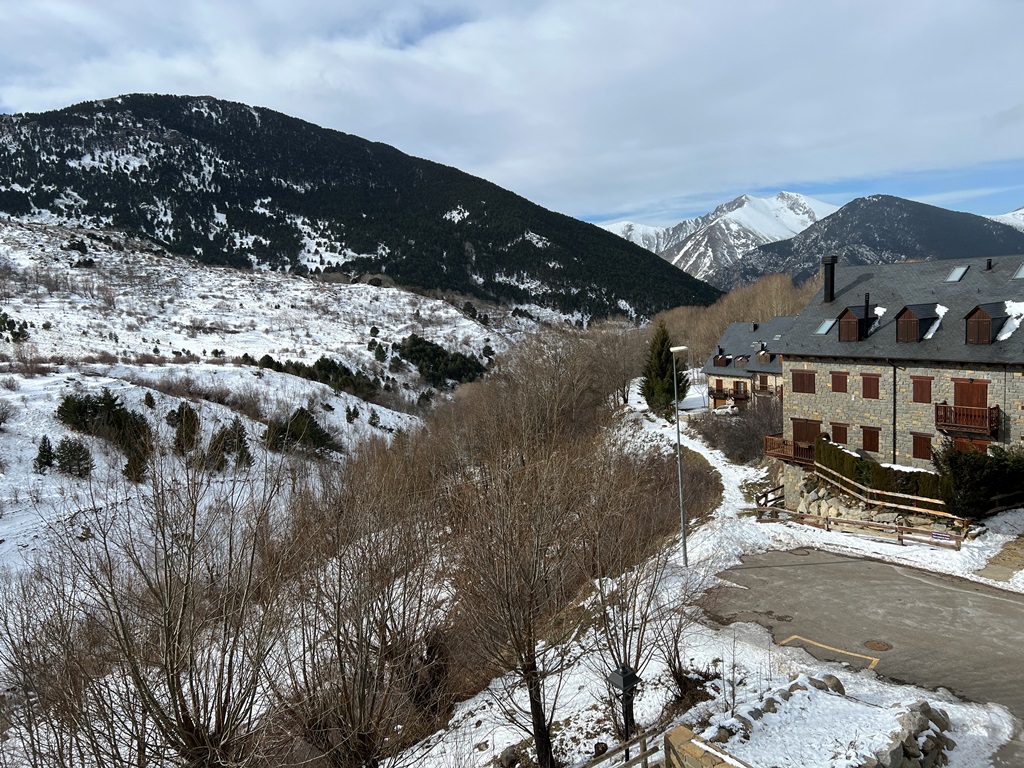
(10, 383)
(102, 357)
(145, 358)
(7, 412)
(30, 362)
(248, 401)
(741, 436)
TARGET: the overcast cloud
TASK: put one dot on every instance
(650, 110)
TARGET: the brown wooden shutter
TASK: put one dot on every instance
(870, 385)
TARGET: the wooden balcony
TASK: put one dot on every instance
(787, 450)
(960, 418)
(726, 393)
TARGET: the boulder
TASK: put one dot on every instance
(509, 757)
(722, 736)
(816, 683)
(600, 748)
(770, 705)
(833, 683)
(939, 717)
(914, 722)
(892, 756)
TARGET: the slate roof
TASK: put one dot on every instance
(745, 339)
(895, 286)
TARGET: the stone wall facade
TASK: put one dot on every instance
(894, 413)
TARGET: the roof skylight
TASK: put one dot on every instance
(1019, 273)
(956, 274)
(825, 327)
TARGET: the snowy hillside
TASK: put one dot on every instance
(85, 310)
(747, 222)
(1014, 219)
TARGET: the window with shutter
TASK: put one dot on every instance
(908, 328)
(839, 381)
(922, 389)
(870, 385)
(803, 381)
(870, 438)
(839, 433)
(922, 446)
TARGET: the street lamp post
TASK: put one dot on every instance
(679, 450)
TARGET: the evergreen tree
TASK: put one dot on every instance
(44, 458)
(656, 384)
(185, 421)
(73, 457)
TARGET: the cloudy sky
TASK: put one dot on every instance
(649, 110)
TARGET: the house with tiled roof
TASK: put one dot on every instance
(889, 360)
(745, 365)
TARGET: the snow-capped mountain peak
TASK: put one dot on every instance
(1014, 218)
(713, 249)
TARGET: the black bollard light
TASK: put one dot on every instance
(625, 680)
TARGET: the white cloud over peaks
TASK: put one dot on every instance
(587, 108)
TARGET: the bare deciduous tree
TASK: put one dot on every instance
(169, 607)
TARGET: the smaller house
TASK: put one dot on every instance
(744, 365)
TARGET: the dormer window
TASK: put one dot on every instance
(982, 321)
(740, 362)
(764, 356)
(913, 322)
(720, 361)
(852, 325)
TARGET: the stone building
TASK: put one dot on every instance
(746, 365)
(889, 360)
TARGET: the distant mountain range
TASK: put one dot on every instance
(248, 187)
(750, 237)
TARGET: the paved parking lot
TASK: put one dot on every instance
(909, 625)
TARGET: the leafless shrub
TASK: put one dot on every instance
(107, 295)
(10, 383)
(7, 412)
(248, 401)
(146, 358)
(30, 362)
(741, 436)
(103, 357)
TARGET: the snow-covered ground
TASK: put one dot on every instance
(815, 728)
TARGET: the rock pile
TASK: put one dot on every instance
(920, 742)
(823, 501)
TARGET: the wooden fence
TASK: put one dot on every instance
(900, 532)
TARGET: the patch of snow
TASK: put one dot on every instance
(457, 214)
(1015, 310)
(537, 240)
(941, 312)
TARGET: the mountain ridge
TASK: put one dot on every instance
(883, 229)
(246, 186)
(710, 246)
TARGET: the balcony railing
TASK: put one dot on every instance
(961, 418)
(788, 450)
(724, 393)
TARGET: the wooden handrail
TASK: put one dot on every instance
(866, 497)
(646, 744)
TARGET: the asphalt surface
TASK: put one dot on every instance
(909, 625)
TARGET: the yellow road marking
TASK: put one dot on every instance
(873, 659)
